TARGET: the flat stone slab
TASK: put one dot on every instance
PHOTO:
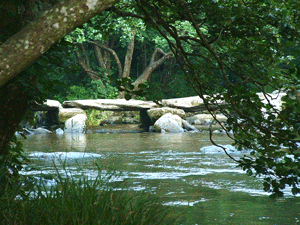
(110, 104)
(188, 104)
(48, 105)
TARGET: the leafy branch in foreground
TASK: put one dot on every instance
(241, 56)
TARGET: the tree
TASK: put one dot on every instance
(103, 41)
(20, 50)
(39, 35)
(230, 51)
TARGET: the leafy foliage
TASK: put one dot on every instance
(230, 51)
(12, 184)
(93, 90)
(95, 117)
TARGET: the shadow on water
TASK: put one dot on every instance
(184, 169)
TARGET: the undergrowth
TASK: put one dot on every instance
(83, 201)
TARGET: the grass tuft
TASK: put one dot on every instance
(82, 201)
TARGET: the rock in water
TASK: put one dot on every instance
(156, 113)
(76, 124)
(65, 114)
(169, 123)
(41, 130)
(59, 131)
(188, 126)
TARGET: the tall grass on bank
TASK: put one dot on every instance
(84, 202)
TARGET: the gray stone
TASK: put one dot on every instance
(65, 114)
(52, 103)
(110, 104)
(76, 124)
(169, 123)
(47, 105)
(41, 130)
(188, 104)
(59, 131)
(205, 119)
(156, 113)
(26, 131)
(188, 126)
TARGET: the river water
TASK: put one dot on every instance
(184, 169)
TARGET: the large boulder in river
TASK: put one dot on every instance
(65, 114)
(76, 124)
(169, 123)
(157, 113)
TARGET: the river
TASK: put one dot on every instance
(184, 168)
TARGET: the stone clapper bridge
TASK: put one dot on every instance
(188, 104)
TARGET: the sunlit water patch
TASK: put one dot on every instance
(63, 155)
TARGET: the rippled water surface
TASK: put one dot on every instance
(184, 169)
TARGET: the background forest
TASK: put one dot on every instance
(89, 61)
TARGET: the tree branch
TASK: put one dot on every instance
(111, 51)
(26, 46)
(128, 57)
(152, 66)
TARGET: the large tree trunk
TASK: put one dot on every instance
(14, 104)
(128, 57)
(22, 49)
(128, 61)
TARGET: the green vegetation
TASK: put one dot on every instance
(95, 117)
(11, 164)
(82, 201)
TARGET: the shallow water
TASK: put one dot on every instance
(184, 169)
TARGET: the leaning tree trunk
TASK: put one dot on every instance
(14, 105)
(26, 46)
(22, 49)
